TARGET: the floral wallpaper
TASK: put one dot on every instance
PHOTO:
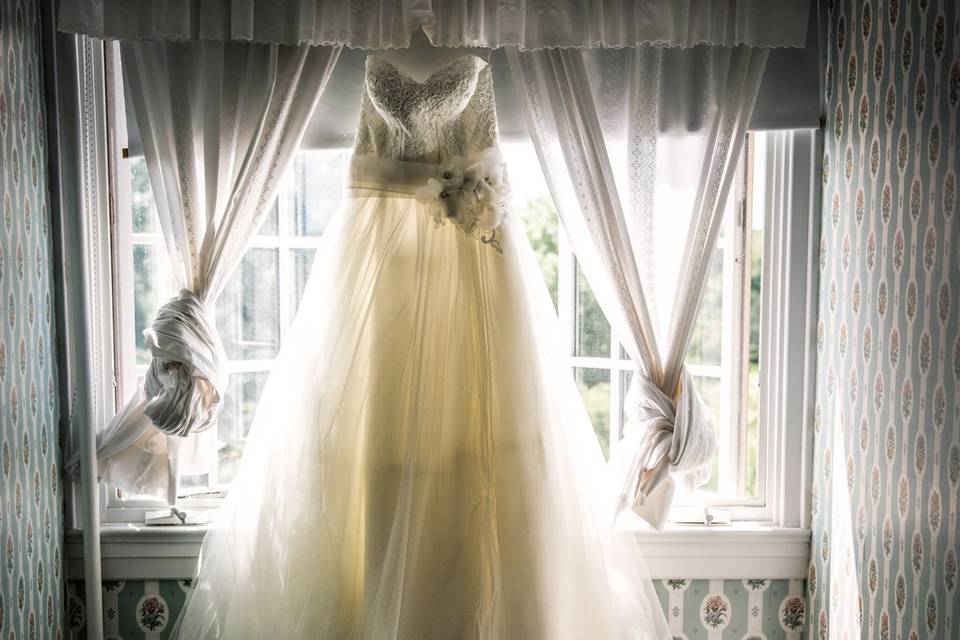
(758, 609)
(887, 421)
(887, 462)
(131, 609)
(710, 609)
(30, 514)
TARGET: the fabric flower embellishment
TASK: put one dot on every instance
(471, 196)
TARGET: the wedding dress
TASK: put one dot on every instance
(421, 465)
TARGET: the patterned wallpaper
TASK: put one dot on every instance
(733, 609)
(887, 426)
(131, 609)
(887, 438)
(30, 514)
(708, 609)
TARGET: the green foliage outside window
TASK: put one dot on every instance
(543, 230)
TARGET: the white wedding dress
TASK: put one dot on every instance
(421, 466)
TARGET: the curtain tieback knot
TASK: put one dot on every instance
(185, 381)
(664, 436)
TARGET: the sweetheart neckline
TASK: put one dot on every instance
(400, 72)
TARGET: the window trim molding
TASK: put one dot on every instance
(726, 552)
(141, 552)
(76, 134)
(788, 334)
(788, 323)
(80, 173)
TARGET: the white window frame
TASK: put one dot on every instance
(617, 363)
(788, 193)
(130, 551)
(730, 498)
(788, 321)
(791, 196)
(128, 372)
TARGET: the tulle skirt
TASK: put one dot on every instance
(421, 465)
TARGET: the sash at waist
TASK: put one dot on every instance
(472, 193)
(373, 176)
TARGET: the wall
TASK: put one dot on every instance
(744, 610)
(733, 609)
(887, 427)
(30, 503)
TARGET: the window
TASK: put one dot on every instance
(98, 327)
(723, 356)
(255, 309)
(261, 299)
(262, 296)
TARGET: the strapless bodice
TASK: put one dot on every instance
(450, 114)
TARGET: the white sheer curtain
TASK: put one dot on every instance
(220, 122)
(380, 24)
(663, 146)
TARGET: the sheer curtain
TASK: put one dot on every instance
(220, 122)
(381, 24)
(660, 151)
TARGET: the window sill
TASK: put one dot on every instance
(737, 551)
(740, 550)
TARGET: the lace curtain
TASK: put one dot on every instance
(220, 123)
(663, 146)
(380, 24)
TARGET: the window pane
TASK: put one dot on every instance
(144, 214)
(147, 278)
(248, 311)
(531, 200)
(705, 345)
(542, 225)
(710, 391)
(318, 178)
(753, 355)
(591, 329)
(193, 484)
(301, 261)
(239, 407)
(271, 222)
(595, 389)
(626, 377)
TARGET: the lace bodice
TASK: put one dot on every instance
(450, 114)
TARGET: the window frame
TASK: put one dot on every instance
(121, 239)
(789, 321)
(789, 193)
(115, 509)
(618, 364)
(735, 345)
(788, 317)
(79, 140)
(763, 507)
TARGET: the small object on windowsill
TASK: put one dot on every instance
(174, 517)
(700, 515)
(716, 516)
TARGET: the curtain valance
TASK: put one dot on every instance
(381, 24)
